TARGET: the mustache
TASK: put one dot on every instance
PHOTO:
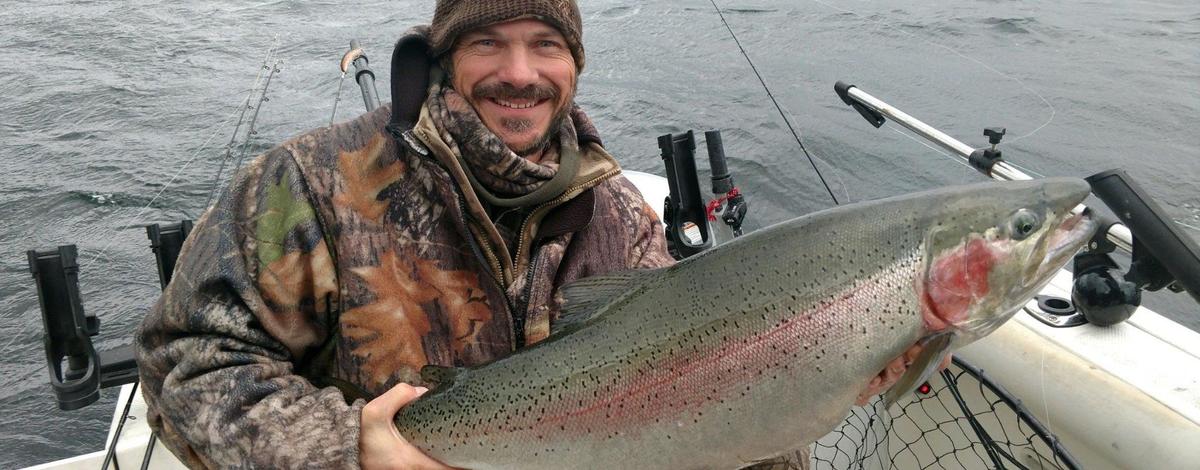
(506, 91)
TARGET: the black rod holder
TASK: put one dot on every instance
(684, 209)
(72, 360)
(77, 370)
(1163, 256)
(365, 77)
(167, 242)
(723, 185)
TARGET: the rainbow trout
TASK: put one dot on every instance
(758, 346)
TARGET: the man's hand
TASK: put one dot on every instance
(380, 445)
(891, 374)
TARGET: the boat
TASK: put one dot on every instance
(1068, 383)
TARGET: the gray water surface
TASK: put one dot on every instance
(114, 114)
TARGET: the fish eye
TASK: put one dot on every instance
(1023, 224)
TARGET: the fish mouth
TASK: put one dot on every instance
(1064, 241)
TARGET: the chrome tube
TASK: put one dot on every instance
(911, 123)
(1118, 234)
(1004, 172)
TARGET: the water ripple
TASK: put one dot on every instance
(105, 103)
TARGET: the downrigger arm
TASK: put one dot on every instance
(1162, 255)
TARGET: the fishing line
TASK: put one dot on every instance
(337, 98)
(838, 175)
(241, 118)
(836, 172)
(1025, 169)
(930, 147)
(779, 108)
(1180, 222)
(1053, 110)
(1045, 403)
(959, 160)
(203, 146)
(167, 186)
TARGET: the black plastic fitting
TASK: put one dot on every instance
(722, 180)
(1160, 247)
(843, 90)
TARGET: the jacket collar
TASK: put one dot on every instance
(411, 64)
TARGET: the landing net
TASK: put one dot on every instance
(961, 420)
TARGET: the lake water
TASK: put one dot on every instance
(115, 114)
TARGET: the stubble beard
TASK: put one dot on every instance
(548, 135)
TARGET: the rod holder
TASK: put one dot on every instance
(365, 77)
(1163, 256)
(72, 360)
(167, 242)
(684, 211)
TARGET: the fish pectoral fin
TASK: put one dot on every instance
(923, 367)
(439, 376)
(585, 298)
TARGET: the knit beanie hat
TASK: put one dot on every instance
(454, 17)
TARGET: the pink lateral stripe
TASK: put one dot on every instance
(623, 408)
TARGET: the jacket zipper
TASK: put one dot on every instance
(523, 310)
(521, 314)
(568, 194)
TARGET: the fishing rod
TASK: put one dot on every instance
(357, 58)
(78, 371)
(685, 215)
(363, 75)
(767, 89)
(270, 67)
(1162, 255)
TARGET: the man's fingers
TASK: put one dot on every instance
(380, 444)
(911, 353)
(894, 370)
(891, 374)
(384, 407)
(873, 388)
(417, 460)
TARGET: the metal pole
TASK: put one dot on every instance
(149, 450)
(110, 456)
(1002, 171)
(365, 78)
(1118, 234)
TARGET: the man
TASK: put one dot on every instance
(436, 231)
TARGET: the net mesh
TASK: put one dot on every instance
(959, 420)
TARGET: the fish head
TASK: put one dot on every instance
(990, 248)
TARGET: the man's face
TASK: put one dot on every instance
(520, 77)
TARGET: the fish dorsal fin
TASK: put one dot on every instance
(585, 299)
(439, 377)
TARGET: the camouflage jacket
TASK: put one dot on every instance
(348, 257)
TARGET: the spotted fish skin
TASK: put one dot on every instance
(758, 346)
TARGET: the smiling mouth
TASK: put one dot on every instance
(519, 104)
